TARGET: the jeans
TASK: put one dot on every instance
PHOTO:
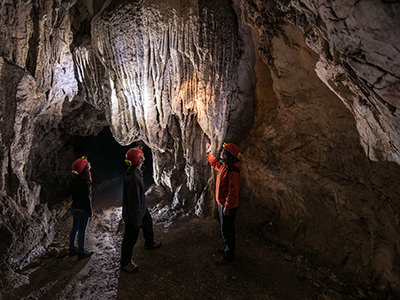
(228, 231)
(80, 221)
(131, 235)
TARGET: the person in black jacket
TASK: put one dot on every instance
(81, 208)
(134, 211)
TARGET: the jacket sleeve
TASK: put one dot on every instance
(88, 195)
(130, 201)
(215, 163)
(232, 199)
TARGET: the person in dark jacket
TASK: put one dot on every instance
(227, 193)
(81, 208)
(135, 214)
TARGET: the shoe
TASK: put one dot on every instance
(72, 252)
(85, 254)
(224, 261)
(155, 245)
(130, 268)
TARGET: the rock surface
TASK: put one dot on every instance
(305, 166)
(308, 89)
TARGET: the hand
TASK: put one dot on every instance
(208, 147)
(225, 211)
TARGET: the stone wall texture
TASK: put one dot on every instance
(309, 89)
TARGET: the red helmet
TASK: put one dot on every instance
(79, 165)
(133, 156)
(232, 149)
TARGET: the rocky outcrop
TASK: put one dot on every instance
(177, 79)
(37, 76)
(304, 166)
(356, 42)
(24, 236)
(26, 225)
(309, 89)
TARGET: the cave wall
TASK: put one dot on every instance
(37, 87)
(308, 89)
(26, 227)
(311, 159)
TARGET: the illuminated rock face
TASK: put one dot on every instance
(309, 92)
(175, 80)
(173, 77)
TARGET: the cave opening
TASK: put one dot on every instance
(107, 159)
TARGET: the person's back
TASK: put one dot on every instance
(134, 211)
(133, 199)
(81, 191)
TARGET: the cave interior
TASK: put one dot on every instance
(308, 89)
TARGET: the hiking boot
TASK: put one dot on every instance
(85, 254)
(130, 268)
(72, 252)
(155, 245)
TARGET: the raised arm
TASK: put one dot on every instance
(215, 163)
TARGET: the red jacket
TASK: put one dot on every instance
(228, 183)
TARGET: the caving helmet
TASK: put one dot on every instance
(133, 156)
(79, 165)
(232, 149)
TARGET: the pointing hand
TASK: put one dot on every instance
(208, 148)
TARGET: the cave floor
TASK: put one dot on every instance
(183, 268)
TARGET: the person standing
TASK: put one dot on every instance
(227, 193)
(81, 209)
(135, 214)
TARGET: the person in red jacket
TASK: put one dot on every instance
(227, 193)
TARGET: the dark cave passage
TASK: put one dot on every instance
(107, 156)
(107, 159)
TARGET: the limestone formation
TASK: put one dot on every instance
(308, 89)
(305, 166)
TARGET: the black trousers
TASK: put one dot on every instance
(228, 231)
(131, 235)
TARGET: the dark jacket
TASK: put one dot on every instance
(133, 200)
(81, 190)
